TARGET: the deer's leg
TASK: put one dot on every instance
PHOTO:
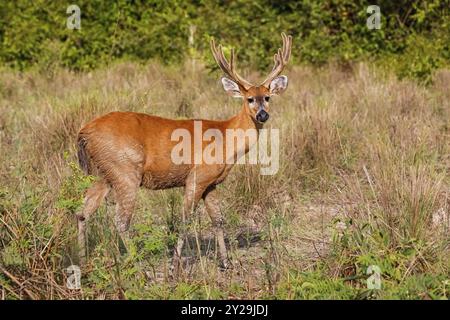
(94, 197)
(193, 194)
(213, 209)
(125, 191)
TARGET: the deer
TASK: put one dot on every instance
(129, 150)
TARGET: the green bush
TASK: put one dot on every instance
(36, 34)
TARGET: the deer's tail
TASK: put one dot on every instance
(83, 157)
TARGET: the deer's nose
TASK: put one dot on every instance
(262, 116)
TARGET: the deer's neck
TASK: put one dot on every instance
(243, 121)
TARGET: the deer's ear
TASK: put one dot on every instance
(231, 88)
(278, 85)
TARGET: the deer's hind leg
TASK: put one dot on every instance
(125, 190)
(94, 197)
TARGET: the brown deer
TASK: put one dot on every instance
(127, 150)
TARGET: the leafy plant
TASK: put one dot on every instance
(72, 189)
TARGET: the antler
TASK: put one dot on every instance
(280, 58)
(228, 68)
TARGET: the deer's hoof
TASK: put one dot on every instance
(175, 268)
(225, 264)
(122, 223)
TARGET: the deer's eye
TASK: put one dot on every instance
(251, 100)
(267, 98)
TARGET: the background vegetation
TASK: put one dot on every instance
(364, 173)
(414, 38)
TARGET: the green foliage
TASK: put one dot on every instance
(315, 285)
(72, 190)
(318, 285)
(422, 57)
(354, 250)
(151, 242)
(36, 34)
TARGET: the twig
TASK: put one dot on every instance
(16, 281)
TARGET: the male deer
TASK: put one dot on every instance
(127, 150)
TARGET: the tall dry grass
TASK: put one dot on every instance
(364, 179)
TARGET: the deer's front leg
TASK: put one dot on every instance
(193, 194)
(213, 208)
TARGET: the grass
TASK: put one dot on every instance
(363, 180)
